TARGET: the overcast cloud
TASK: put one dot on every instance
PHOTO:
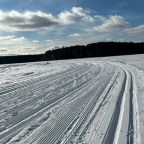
(29, 21)
(36, 31)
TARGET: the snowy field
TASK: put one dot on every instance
(83, 101)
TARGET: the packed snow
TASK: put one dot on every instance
(79, 101)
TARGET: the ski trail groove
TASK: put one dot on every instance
(91, 102)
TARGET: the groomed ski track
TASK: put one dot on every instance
(92, 102)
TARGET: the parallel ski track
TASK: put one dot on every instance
(19, 126)
(109, 136)
(130, 102)
(50, 77)
(107, 88)
(43, 94)
(41, 80)
(53, 134)
(81, 88)
(130, 133)
(24, 93)
(110, 133)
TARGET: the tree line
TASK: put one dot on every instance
(99, 49)
(20, 58)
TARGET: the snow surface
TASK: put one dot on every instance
(79, 101)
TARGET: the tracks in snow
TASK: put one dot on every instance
(91, 103)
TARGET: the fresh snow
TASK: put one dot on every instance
(79, 101)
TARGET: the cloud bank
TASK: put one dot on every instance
(112, 23)
(70, 27)
(13, 20)
(29, 21)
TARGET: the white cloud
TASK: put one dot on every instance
(3, 50)
(76, 14)
(7, 37)
(67, 18)
(100, 18)
(111, 24)
(35, 41)
(49, 40)
(74, 35)
(19, 45)
(54, 29)
(21, 21)
(11, 40)
(85, 14)
(30, 21)
(136, 30)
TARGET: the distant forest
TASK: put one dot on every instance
(99, 49)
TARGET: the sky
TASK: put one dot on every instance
(35, 26)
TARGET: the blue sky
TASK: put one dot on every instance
(34, 26)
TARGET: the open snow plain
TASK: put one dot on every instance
(83, 101)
